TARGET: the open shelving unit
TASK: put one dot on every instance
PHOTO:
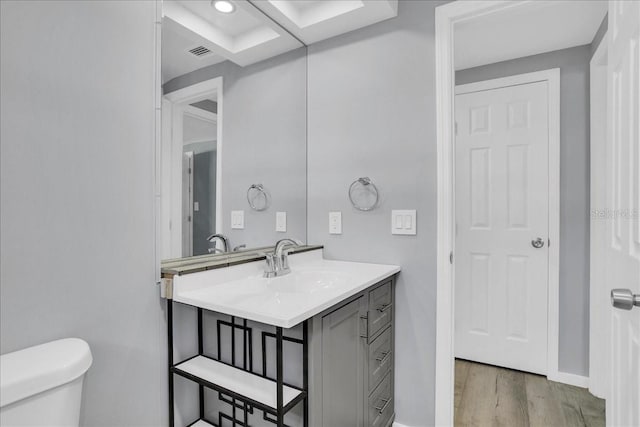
(237, 383)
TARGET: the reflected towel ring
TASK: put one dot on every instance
(258, 190)
(366, 184)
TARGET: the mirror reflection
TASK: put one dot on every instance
(234, 130)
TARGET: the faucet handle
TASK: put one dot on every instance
(271, 261)
(271, 268)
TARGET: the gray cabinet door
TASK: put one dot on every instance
(343, 352)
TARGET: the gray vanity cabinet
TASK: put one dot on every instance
(351, 361)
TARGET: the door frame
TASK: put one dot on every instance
(599, 305)
(178, 101)
(552, 77)
(446, 17)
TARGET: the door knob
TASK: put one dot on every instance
(538, 243)
(624, 299)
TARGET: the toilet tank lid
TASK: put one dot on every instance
(33, 370)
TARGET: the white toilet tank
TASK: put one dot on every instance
(42, 385)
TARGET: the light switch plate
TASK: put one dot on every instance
(237, 220)
(335, 222)
(403, 222)
(196, 206)
(281, 222)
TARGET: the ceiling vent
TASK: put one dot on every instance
(199, 51)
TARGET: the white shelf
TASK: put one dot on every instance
(201, 423)
(244, 383)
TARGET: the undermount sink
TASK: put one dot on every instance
(308, 281)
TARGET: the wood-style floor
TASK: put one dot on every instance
(486, 395)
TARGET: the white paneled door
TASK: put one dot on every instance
(502, 226)
(622, 246)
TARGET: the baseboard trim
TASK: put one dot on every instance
(396, 424)
(571, 379)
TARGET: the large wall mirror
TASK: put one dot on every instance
(233, 129)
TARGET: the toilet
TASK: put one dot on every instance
(42, 385)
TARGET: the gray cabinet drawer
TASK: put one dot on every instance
(380, 358)
(380, 306)
(380, 406)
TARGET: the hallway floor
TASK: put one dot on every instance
(487, 395)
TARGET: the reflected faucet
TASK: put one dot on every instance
(223, 239)
(278, 261)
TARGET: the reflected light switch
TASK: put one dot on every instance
(281, 222)
(237, 220)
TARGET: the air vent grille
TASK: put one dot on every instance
(199, 51)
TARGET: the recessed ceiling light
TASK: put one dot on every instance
(223, 6)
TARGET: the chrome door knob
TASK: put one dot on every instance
(624, 299)
(538, 243)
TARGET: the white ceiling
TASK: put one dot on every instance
(538, 27)
(176, 59)
(244, 36)
(247, 36)
(315, 20)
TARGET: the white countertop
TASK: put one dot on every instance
(313, 285)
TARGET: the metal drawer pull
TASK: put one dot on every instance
(384, 307)
(366, 327)
(383, 357)
(382, 408)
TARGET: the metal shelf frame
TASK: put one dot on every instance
(241, 406)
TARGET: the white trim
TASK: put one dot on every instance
(180, 100)
(552, 77)
(157, 146)
(598, 290)
(446, 16)
(519, 79)
(201, 114)
(196, 92)
(571, 379)
(396, 424)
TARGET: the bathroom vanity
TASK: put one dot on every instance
(313, 347)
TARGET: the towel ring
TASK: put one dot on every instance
(366, 184)
(255, 192)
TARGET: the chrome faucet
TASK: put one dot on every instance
(278, 261)
(223, 239)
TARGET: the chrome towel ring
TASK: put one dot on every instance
(255, 194)
(363, 188)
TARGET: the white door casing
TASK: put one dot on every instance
(187, 203)
(502, 205)
(447, 17)
(599, 304)
(622, 246)
(174, 106)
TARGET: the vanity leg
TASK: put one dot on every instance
(280, 387)
(305, 373)
(170, 357)
(200, 352)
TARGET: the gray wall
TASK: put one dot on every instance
(574, 190)
(77, 203)
(263, 141)
(372, 112)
